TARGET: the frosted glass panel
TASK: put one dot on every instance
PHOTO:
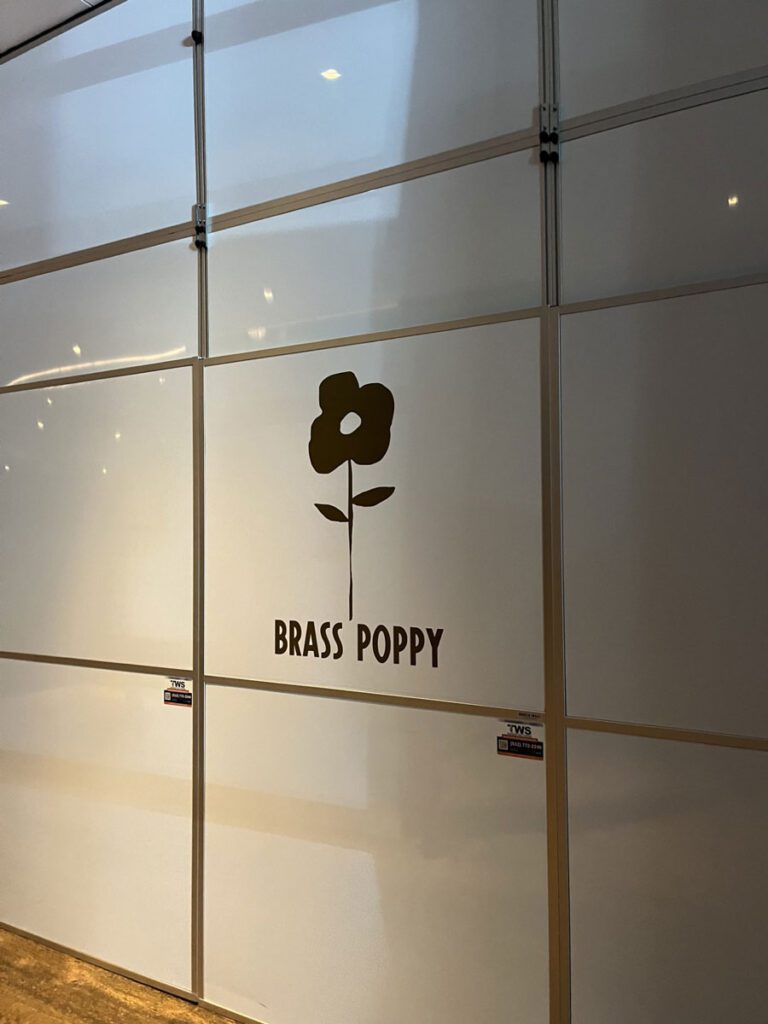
(446, 563)
(96, 801)
(371, 864)
(665, 504)
(451, 245)
(668, 897)
(613, 51)
(636, 218)
(97, 133)
(412, 78)
(96, 507)
(132, 309)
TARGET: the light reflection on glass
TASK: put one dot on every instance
(97, 364)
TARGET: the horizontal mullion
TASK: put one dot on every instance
(448, 160)
(374, 697)
(105, 666)
(728, 87)
(226, 1014)
(416, 330)
(119, 247)
(657, 294)
(661, 732)
(123, 972)
(84, 378)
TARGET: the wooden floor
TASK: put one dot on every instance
(40, 986)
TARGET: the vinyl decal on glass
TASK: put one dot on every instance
(354, 426)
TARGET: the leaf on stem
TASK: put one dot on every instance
(332, 513)
(373, 497)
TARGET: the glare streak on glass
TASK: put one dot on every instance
(98, 364)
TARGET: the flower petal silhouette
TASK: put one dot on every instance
(341, 394)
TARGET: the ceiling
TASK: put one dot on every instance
(21, 19)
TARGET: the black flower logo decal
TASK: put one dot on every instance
(353, 426)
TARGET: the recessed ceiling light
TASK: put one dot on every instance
(77, 350)
(331, 74)
(733, 200)
(4, 202)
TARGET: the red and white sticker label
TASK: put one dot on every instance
(177, 694)
(522, 739)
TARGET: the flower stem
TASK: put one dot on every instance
(350, 520)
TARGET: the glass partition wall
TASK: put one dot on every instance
(382, 491)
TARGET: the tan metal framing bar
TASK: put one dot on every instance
(449, 160)
(374, 697)
(554, 681)
(416, 330)
(554, 678)
(710, 92)
(120, 247)
(726, 87)
(103, 964)
(198, 443)
(106, 666)
(229, 1014)
(84, 378)
(198, 706)
(670, 733)
(656, 295)
(658, 732)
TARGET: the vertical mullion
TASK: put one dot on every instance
(201, 174)
(554, 687)
(198, 445)
(198, 707)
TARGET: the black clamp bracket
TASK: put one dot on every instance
(549, 136)
(197, 37)
(201, 226)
